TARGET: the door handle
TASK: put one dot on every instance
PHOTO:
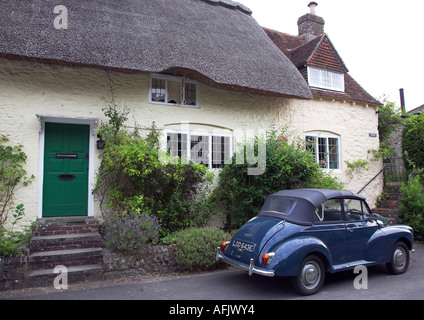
(351, 229)
(66, 177)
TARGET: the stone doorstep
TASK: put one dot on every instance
(65, 241)
(63, 229)
(65, 225)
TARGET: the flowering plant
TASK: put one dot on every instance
(130, 231)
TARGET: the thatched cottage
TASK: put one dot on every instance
(205, 63)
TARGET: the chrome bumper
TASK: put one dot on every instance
(250, 268)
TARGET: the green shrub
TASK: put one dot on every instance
(12, 175)
(413, 141)
(132, 179)
(12, 243)
(289, 165)
(411, 210)
(196, 248)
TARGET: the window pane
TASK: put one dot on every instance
(279, 205)
(322, 152)
(199, 149)
(190, 94)
(220, 151)
(329, 211)
(174, 92)
(158, 90)
(326, 78)
(315, 77)
(311, 145)
(177, 144)
(353, 210)
(333, 154)
(338, 80)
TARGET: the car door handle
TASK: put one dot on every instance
(351, 229)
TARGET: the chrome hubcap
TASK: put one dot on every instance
(311, 275)
(399, 258)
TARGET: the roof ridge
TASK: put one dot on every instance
(231, 5)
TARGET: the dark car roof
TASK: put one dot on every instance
(307, 200)
(317, 196)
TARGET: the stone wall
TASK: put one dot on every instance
(150, 260)
(146, 261)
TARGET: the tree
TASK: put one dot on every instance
(413, 142)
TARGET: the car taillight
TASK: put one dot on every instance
(223, 245)
(267, 258)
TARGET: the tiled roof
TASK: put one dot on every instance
(325, 56)
(319, 52)
(418, 110)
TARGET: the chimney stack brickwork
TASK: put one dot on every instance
(311, 25)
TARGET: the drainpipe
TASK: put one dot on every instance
(402, 100)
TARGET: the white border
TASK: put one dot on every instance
(92, 122)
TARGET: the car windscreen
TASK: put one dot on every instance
(277, 205)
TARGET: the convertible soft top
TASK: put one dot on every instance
(300, 204)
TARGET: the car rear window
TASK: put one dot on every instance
(279, 205)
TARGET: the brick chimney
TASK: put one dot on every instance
(310, 25)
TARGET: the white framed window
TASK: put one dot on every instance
(326, 150)
(213, 150)
(170, 90)
(326, 79)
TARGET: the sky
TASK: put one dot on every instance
(380, 41)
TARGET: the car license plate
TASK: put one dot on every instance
(243, 246)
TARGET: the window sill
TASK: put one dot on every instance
(175, 105)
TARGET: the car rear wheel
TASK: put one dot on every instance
(311, 276)
(400, 259)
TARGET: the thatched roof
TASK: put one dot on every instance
(214, 41)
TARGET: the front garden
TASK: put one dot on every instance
(146, 200)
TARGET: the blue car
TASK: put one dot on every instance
(305, 233)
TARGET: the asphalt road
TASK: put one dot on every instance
(233, 285)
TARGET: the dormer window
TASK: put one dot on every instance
(325, 79)
(178, 91)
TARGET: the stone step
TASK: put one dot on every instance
(74, 274)
(68, 225)
(67, 258)
(65, 241)
(389, 204)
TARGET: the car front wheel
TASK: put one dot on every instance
(311, 276)
(400, 259)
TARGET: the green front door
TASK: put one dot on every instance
(65, 184)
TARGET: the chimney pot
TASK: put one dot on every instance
(313, 7)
